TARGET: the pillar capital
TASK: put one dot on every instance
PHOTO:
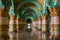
(39, 18)
(51, 9)
(44, 16)
(12, 17)
(56, 11)
(51, 12)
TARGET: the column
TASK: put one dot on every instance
(56, 22)
(11, 33)
(44, 23)
(33, 27)
(1, 11)
(39, 35)
(39, 31)
(3, 19)
(39, 23)
(12, 23)
(17, 22)
(3, 14)
(52, 23)
(12, 28)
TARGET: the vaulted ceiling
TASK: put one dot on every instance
(30, 9)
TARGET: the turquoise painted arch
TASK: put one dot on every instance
(33, 9)
(32, 15)
(33, 2)
(51, 3)
(29, 17)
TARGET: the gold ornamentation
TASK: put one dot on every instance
(44, 17)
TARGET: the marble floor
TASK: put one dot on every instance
(22, 33)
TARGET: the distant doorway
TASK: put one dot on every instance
(29, 25)
(29, 21)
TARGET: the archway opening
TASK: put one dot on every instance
(29, 25)
(29, 21)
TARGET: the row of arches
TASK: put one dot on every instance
(30, 16)
(16, 12)
(33, 2)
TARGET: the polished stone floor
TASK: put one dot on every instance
(22, 33)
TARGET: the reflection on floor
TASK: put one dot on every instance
(22, 34)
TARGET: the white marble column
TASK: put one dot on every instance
(17, 22)
(52, 23)
(33, 27)
(44, 23)
(12, 23)
(56, 23)
(39, 23)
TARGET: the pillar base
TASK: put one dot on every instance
(12, 26)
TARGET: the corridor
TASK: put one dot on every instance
(29, 19)
(23, 33)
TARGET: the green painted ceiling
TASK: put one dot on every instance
(28, 12)
(25, 8)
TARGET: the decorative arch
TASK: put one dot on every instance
(32, 15)
(29, 17)
(11, 9)
(24, 2)
(51, 3)
(33, 9)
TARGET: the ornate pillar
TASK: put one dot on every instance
(39, 32)
(39, 35)
(39, 23)
(44, 23)
(3, 14)
(17, 28)
(1, 11)
(52, 23)
(34, 27)
(3, 20)
(56, 22)
(18, 20)
(12, 23)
